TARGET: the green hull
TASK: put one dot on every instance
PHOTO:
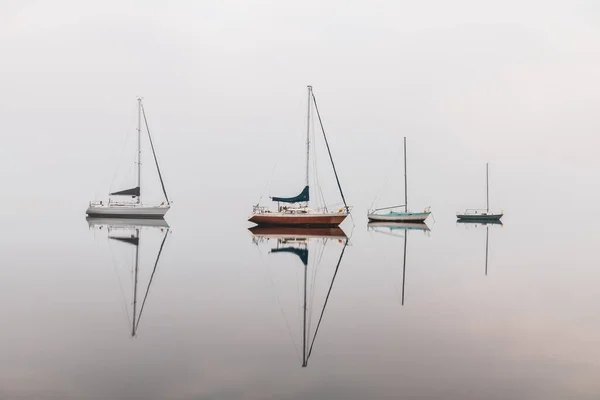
(479, 217)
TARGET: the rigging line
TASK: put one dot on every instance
(326, 300)
(120, 285)
(268, 184)
(320, 195)
(151, 278)
(287, 324)
(386, 177)
(154, 154)
(316, 262)
(329, 151)
(112, 182)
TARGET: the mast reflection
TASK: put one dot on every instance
(399, 229)
(479, 224)
(128, 231)
(296, 241)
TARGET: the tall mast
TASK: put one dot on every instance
(405, 181)
(487, 189)
(139, 145)
(308, 133)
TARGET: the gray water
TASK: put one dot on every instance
(223, 318)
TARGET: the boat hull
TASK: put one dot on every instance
(298, 220)
(399, 225)
(146, 212)
(127, 222)
(274, 231)
(399, 217)
(479, 217)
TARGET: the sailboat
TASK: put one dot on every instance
(398, 216)
(296, 211)
(295, 241)
(476, 214)
(128, 231)
(394, 227)
(120, 208)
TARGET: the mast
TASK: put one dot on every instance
(135, 279)
(139, 148)
(487, 189)
(405, 180)
(308, 135)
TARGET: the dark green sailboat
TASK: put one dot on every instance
(477, 214)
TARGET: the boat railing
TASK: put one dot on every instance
(259, 209)
(95, 203)
(476, 211)
(386, 208)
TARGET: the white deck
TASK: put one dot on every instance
(397, 217)
(127, 210)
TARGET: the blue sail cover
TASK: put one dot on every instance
(302, 253)
(303, 196)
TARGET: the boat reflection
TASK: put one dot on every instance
(128, 232)
(480, 224)
(297, 241)
(399, 229)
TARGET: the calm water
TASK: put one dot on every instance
(224, 315)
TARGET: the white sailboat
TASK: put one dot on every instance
(119, 208)
(398, 216)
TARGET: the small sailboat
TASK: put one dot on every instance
(296, 241)
(476, 214)
(128, 231)
(296, 211)
(399, 216)
(120, 208)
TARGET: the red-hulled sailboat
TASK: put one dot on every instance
(296, 211)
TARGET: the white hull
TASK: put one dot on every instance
(420, 217)
(399, 225)
(127, 211)
(127, 222)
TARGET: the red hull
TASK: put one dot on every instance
(319, 220)
(273, 230)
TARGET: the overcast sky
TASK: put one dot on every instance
(513, 83)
